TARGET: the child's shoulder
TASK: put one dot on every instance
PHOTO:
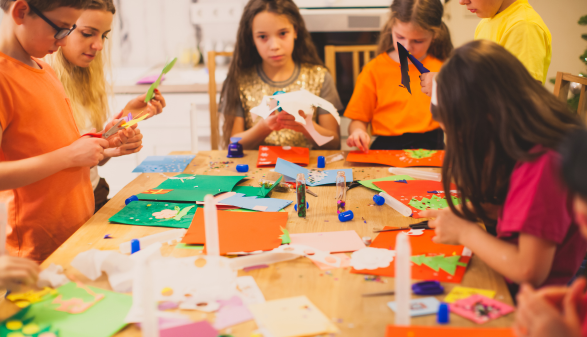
(523, 14)
(547, 163)
(313, 68)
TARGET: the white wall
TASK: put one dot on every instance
(561, 17)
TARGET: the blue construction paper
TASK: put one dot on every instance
(292, 170)
(420, 306)
(164, 164)
(242, 201)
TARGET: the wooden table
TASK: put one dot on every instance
(337, 295)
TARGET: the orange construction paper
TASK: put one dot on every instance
(421, 245)
(268, 155)
(404, 192)
(240, 231)
(437, 331)
(397, 158)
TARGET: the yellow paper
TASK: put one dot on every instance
(127, 125)
(294, 316)
(25, 299)
(459, 293)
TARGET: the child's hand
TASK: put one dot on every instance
(272, 122)
(360, 139)
(121, 137)
(447, 225)
(134, 144)
(153, 108)
(17, 271)
(288, 121)
(86, 151)
(537, 317)
(426, 83)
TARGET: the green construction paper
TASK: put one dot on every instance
(138, 210)
(20, 316)
(448, 264)
(435, 202)
(103, 319)
(151, 91)
(252, 191)
(218, 183)
(419, 154)
(369, 183)
(285, 238)
(196, 194)
(182, 213)
(186, 246)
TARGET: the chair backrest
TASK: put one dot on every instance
(214, 131)
(330, 57)
(562, 86)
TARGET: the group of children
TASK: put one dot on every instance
(504, 134)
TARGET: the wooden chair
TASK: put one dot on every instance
(562, 86)
(330, 57)
(214, 131)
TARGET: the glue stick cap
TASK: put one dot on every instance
(346, 216)
(443, 314)
(131, 199)
(307, 206)
(242, 168)
(379, 200)
(235, 139)
(321, 162)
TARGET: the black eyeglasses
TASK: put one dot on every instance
(61, 32)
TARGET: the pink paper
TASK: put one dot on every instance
(150, 79)
(465, 308)
(332, 242)
(345, 261)
(231, 312)
(197, 329)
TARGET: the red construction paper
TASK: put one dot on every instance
(268, 155)
(421, 245)
(240, 231)
(397, 158)
(404, 192)
(448, 331)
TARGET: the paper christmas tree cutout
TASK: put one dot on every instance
(420, 153)
(448, 264)
(285, 238)
(435, 202)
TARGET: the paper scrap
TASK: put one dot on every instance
(459, 293)
(332, 242)
(370, 183)
(345, 261)
(231, 314)
(420, 306)
(313, 177)
(255, 203)
(371, 258)
(480, 309)
(194, 329)
(268, 155)
(448, 264)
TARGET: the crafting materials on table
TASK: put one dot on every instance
(443, 316)
(268, 155)
(321, 162)
(346, 216)
(417, 307)
(419, 225)
(155, 214)
(403, 279)
(399, 158)
(242, 168)
(459, 293)
(164, 164)
(314, 177)
(419, 288)
(301, 195)
(190, 187)
(395, 204)
(340, 192)
(480, 309)
(235, 149)
(167, 236)
(211, 226)
(370, 183)
(419, 174)
(332, 242)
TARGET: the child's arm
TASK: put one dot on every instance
(358, 135)
(85, 151)
(528, 262)
(17, 271)
(253, 137)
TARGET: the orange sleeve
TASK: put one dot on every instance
(6, 105)
(364, 99)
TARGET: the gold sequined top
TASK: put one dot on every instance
(252, 88)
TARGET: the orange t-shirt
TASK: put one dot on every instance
(36, 118)
(391, 110)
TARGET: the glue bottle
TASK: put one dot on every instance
(340, 192)
(301, 194)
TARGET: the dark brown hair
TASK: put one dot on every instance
(102, 5)
(494, 112)
(246, 55)
(425, 13)
(49, 5)
(574, 162)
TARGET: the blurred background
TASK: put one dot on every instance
(148, 33)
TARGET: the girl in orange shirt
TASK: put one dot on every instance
(400, 120)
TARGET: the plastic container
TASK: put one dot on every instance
(346, 216)
(321, 162)
(242, 168)
(395, 204)
(416, 173)
(235, 149)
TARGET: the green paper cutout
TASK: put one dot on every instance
(186, 246)
(435, 202)
(151, 91)
(252, 191)
(285, 239)
(139, 210)
(182, 213)
(370, 183)
(103, 319)
(448, 264)
(218, 183)
(420, 153)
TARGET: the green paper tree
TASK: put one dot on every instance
(448, 264)
(419, 154)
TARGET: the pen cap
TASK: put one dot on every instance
(346, 216)
(379, 200)
(242, 168)
(321, 162)
(131, 199)
(443, 314)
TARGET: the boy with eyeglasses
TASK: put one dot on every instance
(44, 164)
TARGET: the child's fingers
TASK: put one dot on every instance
(160, 99)
(431, 213)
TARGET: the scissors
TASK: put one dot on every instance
(420, 288)
(419, 225)
(114, 129)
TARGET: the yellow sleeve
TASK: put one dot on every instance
(531, 45)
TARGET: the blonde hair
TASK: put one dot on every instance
(87, 87)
